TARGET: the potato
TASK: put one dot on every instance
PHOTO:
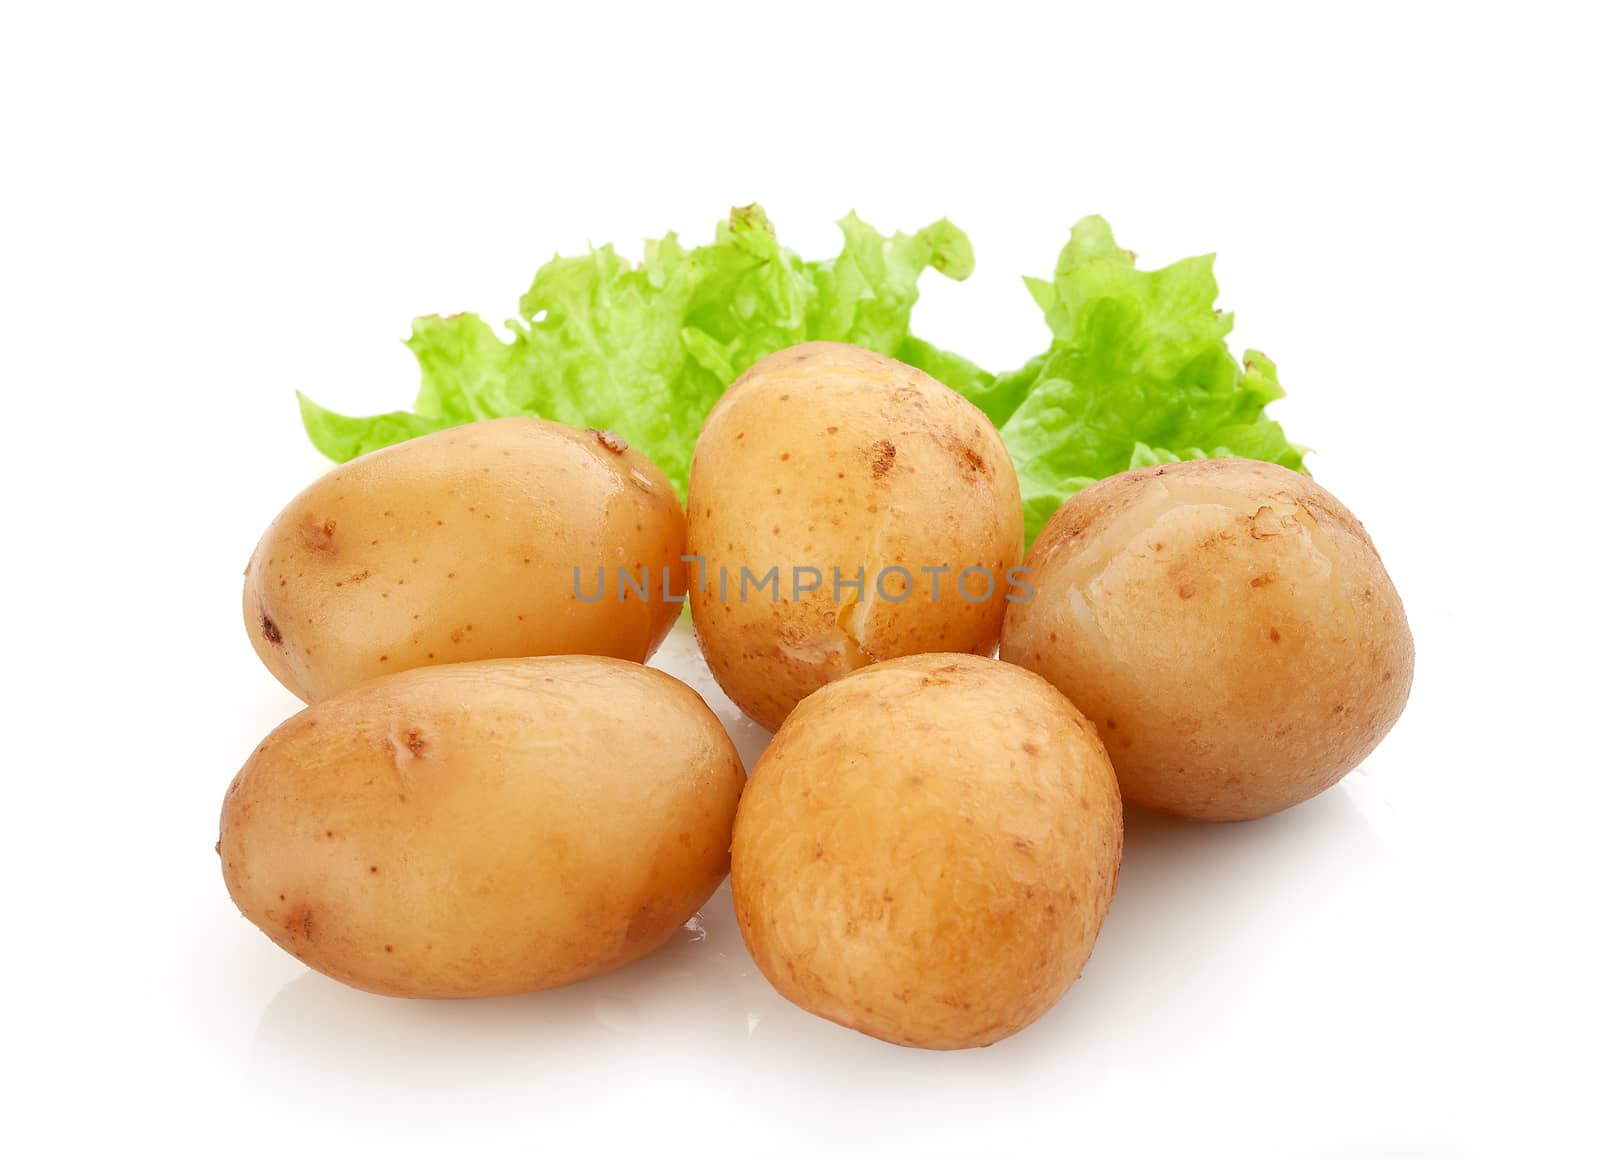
(463, 545)
(1227, 625)
(486, 828)
(927, 849)
(828, 461)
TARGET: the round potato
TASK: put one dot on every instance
(848, 509)
(487, 828)
(496, 539)
(1226, 624)
(927, 850)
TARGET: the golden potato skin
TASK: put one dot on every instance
(488, 828)
(1226, 624)
(826, 455)
(927, 850)
(461, 545)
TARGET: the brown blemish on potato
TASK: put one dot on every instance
(297, 923)
(972, 465)
(1185, 590)
(1263, 579)
(404, 745)
(317, 534)
(610, 440)
(883, 453)
(1272, 634)
(269, 629)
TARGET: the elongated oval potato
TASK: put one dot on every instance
(487, 828)
(495, 539)
(927, 850)
(1227, 625)
(825, 462)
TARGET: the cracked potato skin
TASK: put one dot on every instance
(1227, 625)
(483, 829)
(826, 455)
(461, 545)
(927, 850)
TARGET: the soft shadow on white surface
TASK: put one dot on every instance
(690, 986)
(1198, 905)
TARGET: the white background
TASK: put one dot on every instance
(206, 208)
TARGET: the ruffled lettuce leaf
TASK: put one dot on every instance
(1138, 372)
(646, 349)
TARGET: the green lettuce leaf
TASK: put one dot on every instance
(646, 349)
(1138, 372)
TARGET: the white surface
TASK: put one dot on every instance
(205, 209)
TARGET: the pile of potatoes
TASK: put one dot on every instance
(490, 794)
